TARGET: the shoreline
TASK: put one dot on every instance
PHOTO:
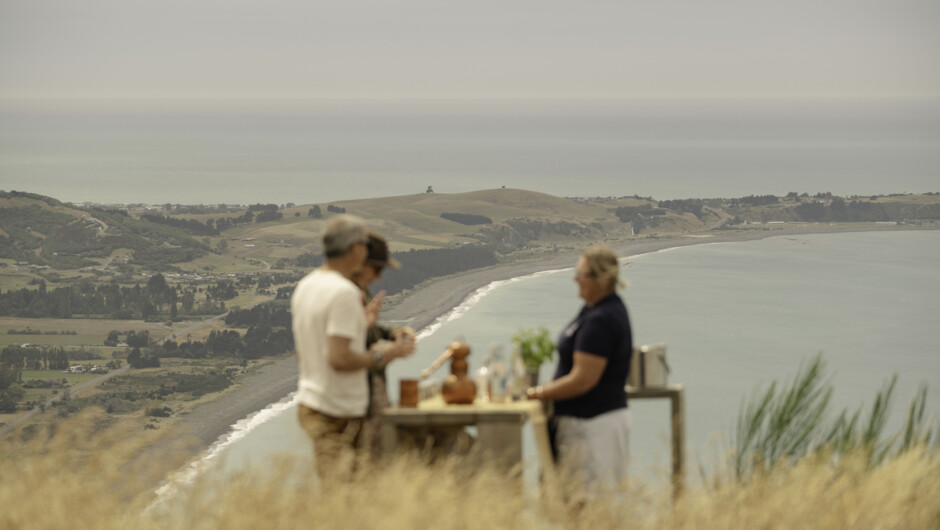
(206, 424)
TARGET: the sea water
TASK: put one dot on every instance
(735, 317)
(318, 151)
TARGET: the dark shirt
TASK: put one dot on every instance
(602, 330)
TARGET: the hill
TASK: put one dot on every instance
(43, 232)
(137, 240)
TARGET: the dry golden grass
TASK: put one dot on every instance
(88, 476)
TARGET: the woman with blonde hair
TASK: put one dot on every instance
(592, 426)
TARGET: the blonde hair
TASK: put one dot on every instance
(604, 266)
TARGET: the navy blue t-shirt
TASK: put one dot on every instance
(602, 330)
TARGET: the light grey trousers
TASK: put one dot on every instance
(595, 451)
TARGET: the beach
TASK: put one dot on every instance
(275, 380)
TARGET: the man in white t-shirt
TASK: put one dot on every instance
(329, 324)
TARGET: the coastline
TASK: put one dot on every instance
(206, 424)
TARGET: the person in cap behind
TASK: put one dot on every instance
(329, 325)
(376, 261)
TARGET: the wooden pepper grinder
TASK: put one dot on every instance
(458, 388)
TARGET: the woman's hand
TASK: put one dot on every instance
(535, 393)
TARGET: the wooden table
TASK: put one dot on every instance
(499, 427)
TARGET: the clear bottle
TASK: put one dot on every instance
(482, 379)
(498, 374)
(518, 380)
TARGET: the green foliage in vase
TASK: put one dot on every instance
(535, 346)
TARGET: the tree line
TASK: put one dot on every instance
(272, 314)
(840, 210)
(156, 299)
(468, 219)
(34, 358)
(15, 359)
(261, 340)
(268, 333)
(420, 265)
(258, 213)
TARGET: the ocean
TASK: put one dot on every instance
(735, 317)
(318, 151)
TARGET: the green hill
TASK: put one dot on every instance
(42, 231)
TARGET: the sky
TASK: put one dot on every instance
(481, 49)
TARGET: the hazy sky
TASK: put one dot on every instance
(480, 48)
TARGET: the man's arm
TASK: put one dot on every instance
(343, 359)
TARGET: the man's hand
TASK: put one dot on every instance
(403, 346)
(373, 307)
(404, 333)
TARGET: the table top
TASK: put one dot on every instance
(436, 405)
(654, 391)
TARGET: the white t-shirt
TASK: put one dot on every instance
(326, 304)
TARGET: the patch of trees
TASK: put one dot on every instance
(81, 354)
(419, 265)
(531, 229)
(261, 340)
(224, 223)
(162, 258)
(110, 300)
(284, 293)
(28, 331)
(132, 338)
(468, 219)
(191, 226)
(55, 382)
(34, 358)
(638, 222)
(15, 359)
(11, 389)
(266, 212)
(140, 359)
(692, 206)
(274, 315)
(335, 209)
(315, 212)
(258, 213)
(755, 200)
(628, 214)
(222, 290)
(840, 210)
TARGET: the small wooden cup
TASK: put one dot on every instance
(409, 393)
